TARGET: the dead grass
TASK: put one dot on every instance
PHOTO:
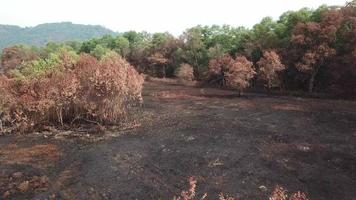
(178, 94)
(38, 156)
(279, 193)
(289, 107)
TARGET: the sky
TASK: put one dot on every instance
(150, 15)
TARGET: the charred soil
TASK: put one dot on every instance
(241, 146)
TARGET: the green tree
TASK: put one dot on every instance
(122, 46)
(195, 52)
(99, 51)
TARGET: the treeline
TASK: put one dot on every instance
(306, 50)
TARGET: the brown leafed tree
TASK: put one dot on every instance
(218, 68)
(315, 41)
(158, 64)
(233, 73)
(344, 66)
(269, 67)
(240, 73)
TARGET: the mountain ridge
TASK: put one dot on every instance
(50, 32)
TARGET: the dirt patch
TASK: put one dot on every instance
(38, 156)
(289, 107)
(19, 183)
(175, 95)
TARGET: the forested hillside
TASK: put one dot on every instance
(52, 32)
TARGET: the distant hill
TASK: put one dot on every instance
(50, 32)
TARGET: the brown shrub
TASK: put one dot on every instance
(185, 72)
(108, 86)
(13, 56)
(279, 193)
(90, 91)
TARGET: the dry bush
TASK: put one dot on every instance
(108, 87)
(87, 90)
(13, 56)
(6, 100)
(269, 67)
(190, 194)
(279, 193)
(233, 73)
(185, 72)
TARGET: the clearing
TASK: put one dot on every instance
(241, 146)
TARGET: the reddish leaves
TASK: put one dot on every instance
(13, 56)
(89, 89)
(269, 67)
(234, 73)
(185, 72)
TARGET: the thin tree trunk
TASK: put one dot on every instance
(311, 84)
(269, 86)
(312, 80)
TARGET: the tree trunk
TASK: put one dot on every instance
(311, 84)
(164, 71)
(312, 80)
(269, 86)
(240, 92)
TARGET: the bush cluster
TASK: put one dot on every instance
(67, 88)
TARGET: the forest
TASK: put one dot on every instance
(306, 50)
(266, 112)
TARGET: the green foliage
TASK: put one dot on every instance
(122, 46)
(99, 51)
(288, 20)
(54, 62)
(38, 67)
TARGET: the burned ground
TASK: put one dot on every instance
(241, 146)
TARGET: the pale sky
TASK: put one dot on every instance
(149, 15)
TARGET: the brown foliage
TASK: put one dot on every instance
(91, 90)
(13, 56)
(315, 41)
(233, 73)
(37, 156)
(157, 63)
(240, 73)
(190, 193)
(185, 72)
(343, 68)
(269, 67)
(279, 193)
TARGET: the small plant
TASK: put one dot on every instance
(190, 194)
(279, 193)
(185, 72)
